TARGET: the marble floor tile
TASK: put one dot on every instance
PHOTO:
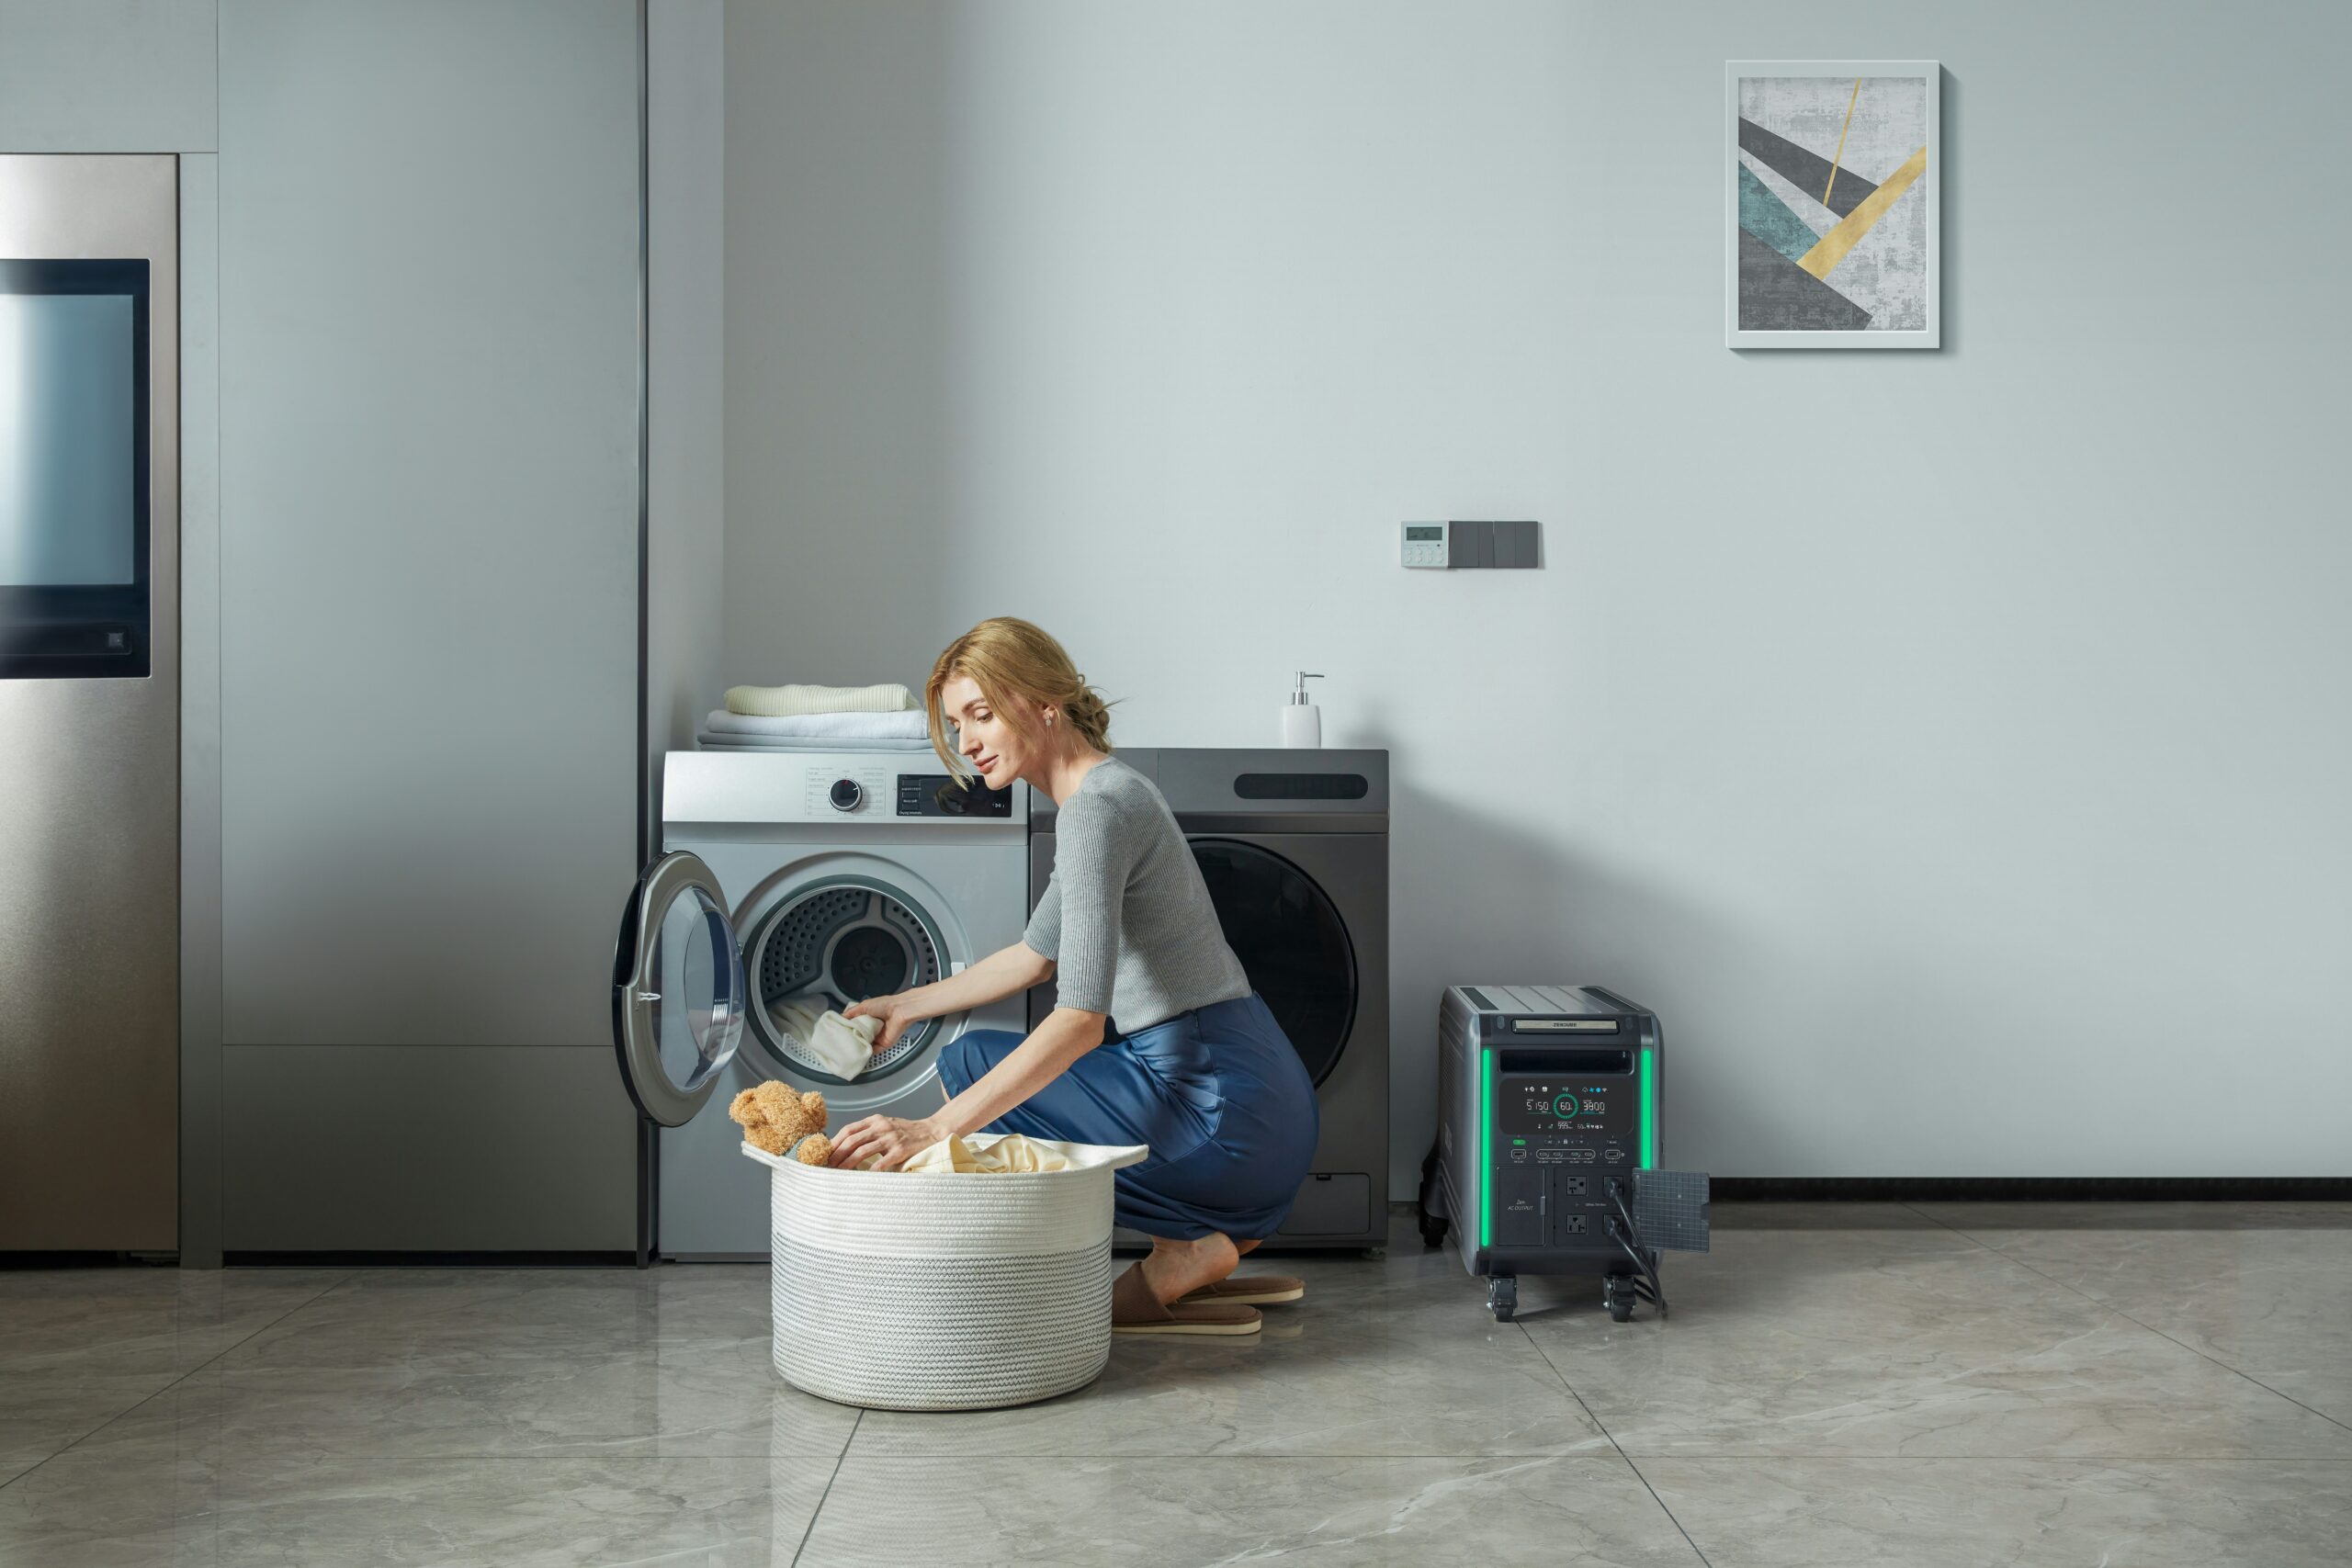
(79, 1347)
(400, 1313)
(1827, 1343)
(1183, 1513)
(142, 1320)
(1841, 1383)
(2266, 1294)
(87, 1509)
(42, 1412)
(1966, 1513)
(1336, 1374)
(693, 1401)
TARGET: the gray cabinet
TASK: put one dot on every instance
(428, 428)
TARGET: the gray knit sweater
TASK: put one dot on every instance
(1126, 918)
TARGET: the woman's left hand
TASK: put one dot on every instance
(889, 1141)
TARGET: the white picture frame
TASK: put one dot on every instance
(1768, 291)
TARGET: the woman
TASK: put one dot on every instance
(1204, 1076)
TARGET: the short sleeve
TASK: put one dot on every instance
(1091, 862)
(1044, 935)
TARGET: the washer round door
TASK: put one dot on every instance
(833, 941)
(678, 991)
(1292, 942)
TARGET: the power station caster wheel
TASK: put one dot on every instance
(1433, 1229)
(1617, 1295)
(1502, 1297)
(1374, 1254)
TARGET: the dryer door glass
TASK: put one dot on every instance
(678, 990)
(1290, 942)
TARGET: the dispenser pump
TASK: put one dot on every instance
(1302, 720)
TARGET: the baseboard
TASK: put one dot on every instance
(622, 1259)
(86, 1259)
(2031, 1189)
(2021, 1190)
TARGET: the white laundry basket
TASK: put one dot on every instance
(940, 1290)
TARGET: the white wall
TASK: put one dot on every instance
(1949, 746)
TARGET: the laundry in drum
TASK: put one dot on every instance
(843, 1046)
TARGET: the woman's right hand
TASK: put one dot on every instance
(895, 1011)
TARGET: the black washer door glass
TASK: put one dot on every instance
(1290, 942)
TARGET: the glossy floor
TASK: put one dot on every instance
(1865, 1384)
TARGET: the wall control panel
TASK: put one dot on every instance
(1424, 545)
(1462, 544)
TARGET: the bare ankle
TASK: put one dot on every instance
(1178, 1267)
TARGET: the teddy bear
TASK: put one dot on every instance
(773, 1117)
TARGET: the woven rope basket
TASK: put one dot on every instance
(942, 1291)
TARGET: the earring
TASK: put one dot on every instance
(1050, 721)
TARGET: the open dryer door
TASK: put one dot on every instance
(678, 991)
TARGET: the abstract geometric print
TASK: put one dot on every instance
(1833, 208)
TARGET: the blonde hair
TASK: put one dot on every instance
(1008, 656)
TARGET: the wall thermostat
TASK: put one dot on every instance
(1425, 545)
(1466, 544)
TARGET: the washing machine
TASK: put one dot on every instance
(1294, 847)
(839, 875)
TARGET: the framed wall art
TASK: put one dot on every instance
(1833, 183)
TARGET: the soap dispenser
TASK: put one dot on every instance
(1302, 720)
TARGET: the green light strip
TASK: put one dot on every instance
(1486, 1135)
(1650, 1112)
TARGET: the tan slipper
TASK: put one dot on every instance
(1135, 1310)
(1248, 1290)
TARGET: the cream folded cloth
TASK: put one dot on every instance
(905, 725)
(784, 701)
(1013, 1152)
(843, 1046)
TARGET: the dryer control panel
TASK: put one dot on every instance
(942, 794)
(851, 790)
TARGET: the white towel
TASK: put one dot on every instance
(778, 702)
(901, 726)
(843, 1046)
(797, 743)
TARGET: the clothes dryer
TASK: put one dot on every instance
(1294, 846)
(831, 875)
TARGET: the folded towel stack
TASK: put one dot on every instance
(789, 702)
(816, 718)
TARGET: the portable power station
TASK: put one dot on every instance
(1548, 1145)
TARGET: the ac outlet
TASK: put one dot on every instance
(1573, 1186)
(1574, 1224)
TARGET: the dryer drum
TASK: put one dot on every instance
(843, 941)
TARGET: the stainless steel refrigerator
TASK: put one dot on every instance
(89, 702)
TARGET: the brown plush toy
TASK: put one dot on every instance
(773, 1117)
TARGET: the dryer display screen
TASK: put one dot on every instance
(941, 794)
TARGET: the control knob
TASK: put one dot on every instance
(846, 794)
